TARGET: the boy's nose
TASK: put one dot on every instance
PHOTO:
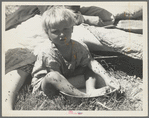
(62, 34)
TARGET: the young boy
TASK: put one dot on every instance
(64, 64)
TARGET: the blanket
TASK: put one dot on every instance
(127, 43)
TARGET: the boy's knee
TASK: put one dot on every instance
(52, 77)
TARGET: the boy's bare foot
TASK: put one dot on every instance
(114, 83)
(99, 92)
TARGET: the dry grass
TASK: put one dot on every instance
(130, 100)
(128, 73)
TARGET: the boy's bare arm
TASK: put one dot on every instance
(97, 68)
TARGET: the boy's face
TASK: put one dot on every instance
(60, 33)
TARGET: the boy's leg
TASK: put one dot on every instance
(12, 83)
(54, 81)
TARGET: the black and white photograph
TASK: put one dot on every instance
(74, 58)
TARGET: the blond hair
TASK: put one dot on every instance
(55, 15)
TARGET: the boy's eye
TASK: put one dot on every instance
(65, 29)
(55, 31)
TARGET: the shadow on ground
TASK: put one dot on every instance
(121, 63)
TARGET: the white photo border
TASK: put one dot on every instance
(84, 113)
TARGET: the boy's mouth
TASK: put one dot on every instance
(63, 39)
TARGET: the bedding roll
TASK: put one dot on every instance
(127, 43)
